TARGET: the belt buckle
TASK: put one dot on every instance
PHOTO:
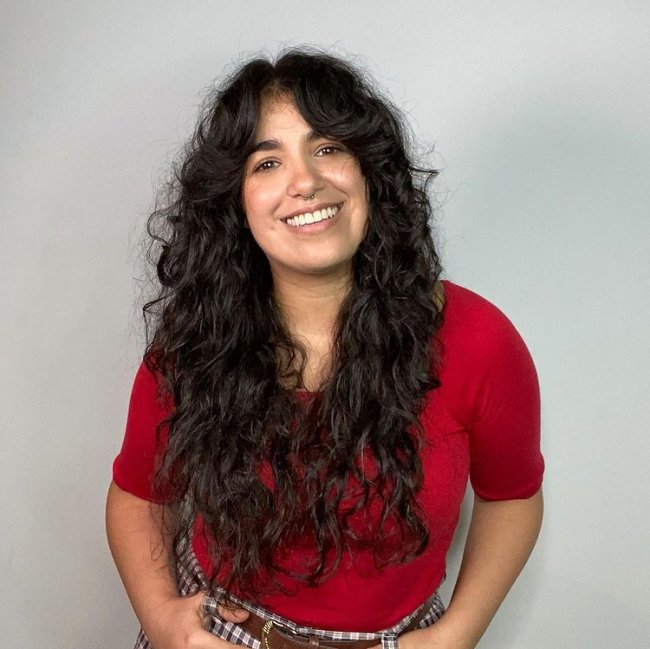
(284, 632)
(265, 633)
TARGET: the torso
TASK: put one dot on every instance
(318, 364)
(319, 350)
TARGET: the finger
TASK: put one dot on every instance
(233, 613)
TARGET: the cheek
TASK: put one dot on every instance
(256, 200)
(350, 180)
(349, 174)
(357, 185)
(361, 192)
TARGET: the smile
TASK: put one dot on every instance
(307, 218)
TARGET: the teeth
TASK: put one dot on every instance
(312, 217)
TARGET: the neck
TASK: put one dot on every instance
(311, 303)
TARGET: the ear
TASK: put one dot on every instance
(248, 227)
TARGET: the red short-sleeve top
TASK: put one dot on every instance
(483, 423)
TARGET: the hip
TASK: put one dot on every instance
(285, 633)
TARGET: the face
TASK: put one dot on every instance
(303, 194)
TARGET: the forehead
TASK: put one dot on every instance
(277, 113)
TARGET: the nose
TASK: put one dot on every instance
(304, 178)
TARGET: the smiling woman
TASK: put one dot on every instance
(298, 184)
(314, 397)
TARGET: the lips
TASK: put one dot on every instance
(311, 219)
(315, 208)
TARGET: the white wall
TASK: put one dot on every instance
(539, 112)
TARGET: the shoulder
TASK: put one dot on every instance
(489, 386)
(474, 320)
(483, 353)
(149, 397)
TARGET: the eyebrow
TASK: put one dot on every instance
(273, 144)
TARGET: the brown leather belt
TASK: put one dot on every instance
(273, 635)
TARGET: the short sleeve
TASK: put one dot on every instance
(134, 467)
(505, 457)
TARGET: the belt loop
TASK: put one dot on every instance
(209, 606)
(388, 640)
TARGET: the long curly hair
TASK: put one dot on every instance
(260, 463)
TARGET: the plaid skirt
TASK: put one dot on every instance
(190, 580)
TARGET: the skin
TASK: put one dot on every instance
(280, 179)
(141, 555)
(311, 276)
(499, 541)
(311, 272)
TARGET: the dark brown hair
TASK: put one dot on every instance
(218, 334)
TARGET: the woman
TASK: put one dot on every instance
(313, 397)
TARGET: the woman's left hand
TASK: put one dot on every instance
(437, 636)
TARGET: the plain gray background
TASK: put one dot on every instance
(539, 112)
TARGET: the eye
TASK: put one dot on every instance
(265, 165)
(328, 149)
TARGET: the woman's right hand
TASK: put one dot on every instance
(178, 623)
(140, 553)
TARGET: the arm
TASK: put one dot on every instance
(506, 467)
(134, 525)
(500, 539)
(141, 553)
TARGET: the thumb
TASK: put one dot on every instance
(232, 613)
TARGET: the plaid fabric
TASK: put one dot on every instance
(190, 580)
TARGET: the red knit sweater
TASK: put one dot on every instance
(483, 423)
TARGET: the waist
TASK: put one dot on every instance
(267, 630)
(356, 598)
